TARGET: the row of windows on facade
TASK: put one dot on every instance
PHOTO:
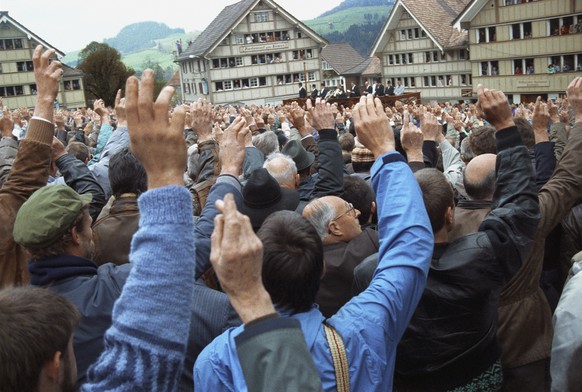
(515, 2)
(231, 62)
(11, 43)
(235, 84)
(429, 57)
(12, 91)
(262, 37)
(556, 26)
(564, 63)
(434, 81)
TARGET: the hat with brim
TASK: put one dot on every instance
(302, 158)
(262, 195)
(47, 215)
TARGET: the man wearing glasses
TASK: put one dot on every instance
(345, 245)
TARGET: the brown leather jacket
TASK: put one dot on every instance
(113, 232)
(29, 172)
(469, 214)
(524, 316)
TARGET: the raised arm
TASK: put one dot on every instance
(29, 171)
(406, 238)
(512, 222)
(231, 155)
(146, 344)
(330, 166)
(272, 351)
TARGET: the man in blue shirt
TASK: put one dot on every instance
(371, 324)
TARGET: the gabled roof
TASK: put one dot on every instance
(228, 19)
(5, 18)
(469, 12)
(69, 72)
(175, 80)
(370, 66)
(434, 16)
(341, 57)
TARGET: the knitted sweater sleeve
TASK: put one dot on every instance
(146, 344)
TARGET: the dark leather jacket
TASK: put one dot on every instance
(112, 233)
(452, 336)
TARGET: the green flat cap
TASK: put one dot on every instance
(47, 215)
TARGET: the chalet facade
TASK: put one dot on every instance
(419, 46)
(253, 52)
(17, 83)
(525, 48)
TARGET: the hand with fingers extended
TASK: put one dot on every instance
(46, 75)
(575, 97)
(6, 124)
(296, 116)
(236, 254)
(322, 116)
(202, 115)
(120, 111)
(411, 138)
(232, 147)
(541, 119)
(99, 108)
(155, 139)
(430, 127)
(58, 149)
(495, 108)
(250, 120)
(372, 126)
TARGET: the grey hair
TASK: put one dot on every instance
(321, 215)
(283, 176)
(466, 151)
(266, 142)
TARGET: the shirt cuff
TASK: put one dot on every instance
(41, 119)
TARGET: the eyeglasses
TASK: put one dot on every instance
(351, 210)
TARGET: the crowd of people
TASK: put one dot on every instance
(284, 247)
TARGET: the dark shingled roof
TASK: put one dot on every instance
(69, 72)
(437, 17)
(216, 29)
(370, 66)
(341, 57)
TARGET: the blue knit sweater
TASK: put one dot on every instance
(146, 344)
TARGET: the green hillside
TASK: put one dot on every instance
(342, 20)
(162, 53)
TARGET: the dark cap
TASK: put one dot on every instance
(47, 215)
(302, 158)
(262, 195)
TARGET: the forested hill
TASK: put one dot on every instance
(346, 4)
(357, 22)
(141, 35)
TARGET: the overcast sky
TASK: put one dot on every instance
(70, 25)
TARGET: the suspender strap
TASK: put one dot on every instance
(340, 360)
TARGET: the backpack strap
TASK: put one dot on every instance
(340, 360)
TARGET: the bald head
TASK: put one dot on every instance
(479, 179)
(283, 169)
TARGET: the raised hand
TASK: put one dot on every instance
(232, 147)
(120, 111)
(156, 140)
(541, 119)
(575, 97)
(495, 108)
(236, 254)
(322, 116)
(6, 124)
(411, 138)
(46, 74)
(430, 127)
(372, 126)
(202, 115)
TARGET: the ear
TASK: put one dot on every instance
(52, 368)
(297, 180)
(372, 210)
(334, 229)
(76, 238)
(450, 217)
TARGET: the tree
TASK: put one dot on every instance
(104, 71)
